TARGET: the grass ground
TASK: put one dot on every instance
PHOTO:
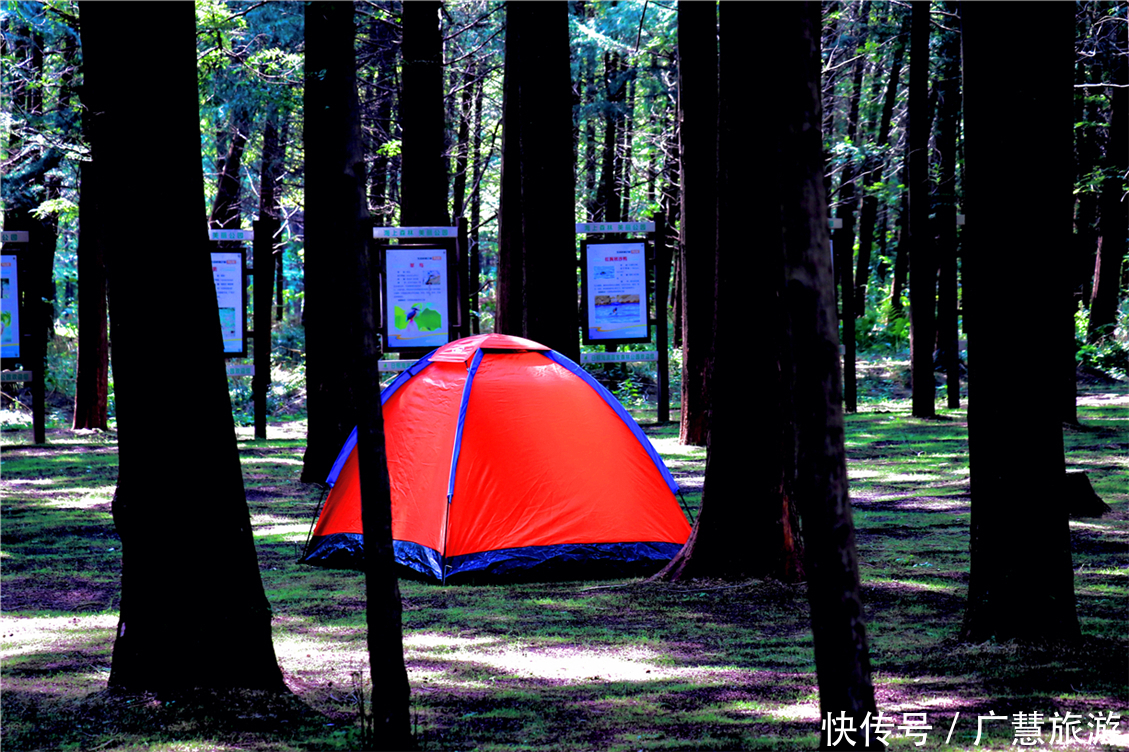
(619, 665)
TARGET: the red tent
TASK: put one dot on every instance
(507, 459)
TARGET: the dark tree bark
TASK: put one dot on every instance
(948, 112)
(1113, 206)
(462, 148)
(180, 490)
(330, 168)
(845, 236)
(869, 211)
(92, 384)
(537, 295)
(1016, 460)
(923, 266)
(697, 107)
(225, 208)
(748, 526)
(423, 184)
(819, 478)
(92, 378)
(330, 35)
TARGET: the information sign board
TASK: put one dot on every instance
(416, 297)
(615, 292)
(231, 296)
(9, 307)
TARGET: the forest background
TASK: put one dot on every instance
(625, 98)
(625, 138)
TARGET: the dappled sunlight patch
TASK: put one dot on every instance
(921, 587)
(92, 499)
(272, 461)
(20, 635)
(799, 711)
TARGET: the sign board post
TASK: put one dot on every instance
(229, 274)
(615, 290)
(420, 306)
(23, 319)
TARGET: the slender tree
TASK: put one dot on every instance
(423, 185)
(812, 372)
(537, 295)
(1113, 206)
(1016, 500)
(697, 112)
(948, 112)
(922, 264)
(201, 503)
(330, 81)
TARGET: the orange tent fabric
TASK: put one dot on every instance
(507, 459)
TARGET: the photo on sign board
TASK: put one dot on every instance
(416, 302)
(9, 307)
(614, 289)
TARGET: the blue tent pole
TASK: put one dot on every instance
(472, 369)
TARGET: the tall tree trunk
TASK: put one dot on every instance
(869, 211)
(538, 182)
(423, 184)
(225, 208)
(819, 478)
(1016, 457)
(845, 237)
(330, 86)
(92, 383)
(178, 489)
(946, 204)
(748, 525)
(697, 108)
(1113, 206)
(923, 266)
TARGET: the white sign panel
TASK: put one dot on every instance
(617, 291)
(227, 272)
(9, 308)
(416, 300)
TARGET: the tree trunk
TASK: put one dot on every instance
(748, 526)
(819, 477)
(869, 211)
(92, 385)
(1016, 459)
(923, 266)
(697, 107)
(330, 168)
(225, 208)
(538, 180)
(180, 488)
(946, 202)
(1113, 207)
(423, 184)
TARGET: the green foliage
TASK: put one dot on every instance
(1110, 353)
(881, 329)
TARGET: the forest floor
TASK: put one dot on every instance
(610, 665)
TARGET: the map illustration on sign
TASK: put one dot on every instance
(9, 308)
(416, 303)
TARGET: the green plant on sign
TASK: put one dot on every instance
(426, 318)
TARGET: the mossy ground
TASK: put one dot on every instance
(619, 665)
